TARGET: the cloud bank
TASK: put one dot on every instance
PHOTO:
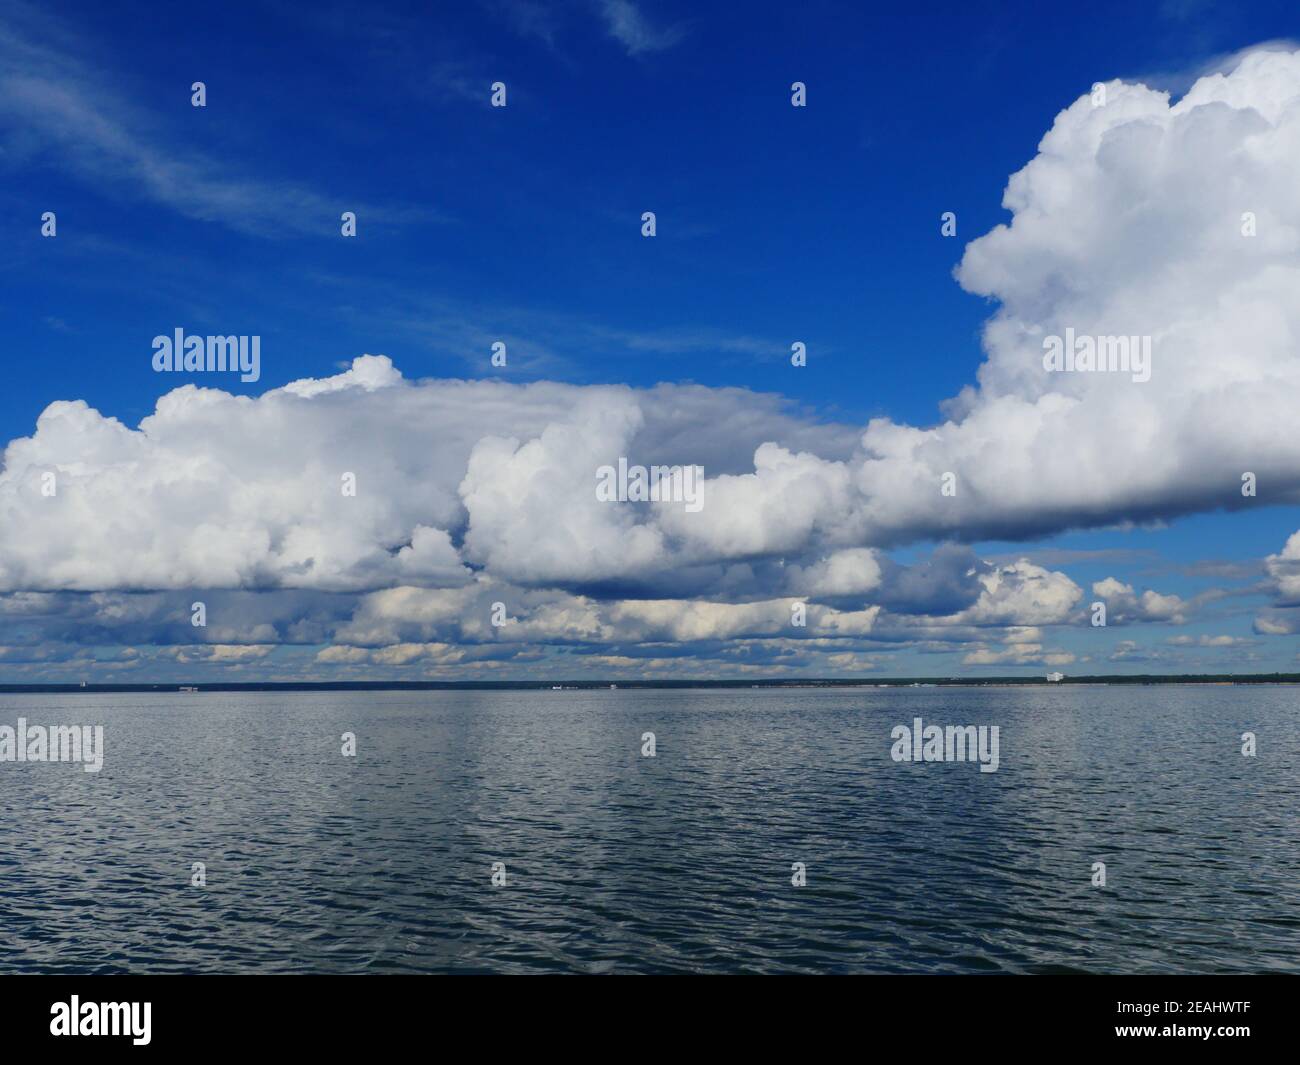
(1139, 216)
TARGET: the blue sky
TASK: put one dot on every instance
(522, 224)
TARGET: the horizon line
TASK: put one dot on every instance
(194, 687)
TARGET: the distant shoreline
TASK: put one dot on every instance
(192, 687)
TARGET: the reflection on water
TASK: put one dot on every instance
(682, 862)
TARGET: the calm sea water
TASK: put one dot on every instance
(678, 863)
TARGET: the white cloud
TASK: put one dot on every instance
(1209, 641)
(1017, 654)
(1022, 594)
(223, 653)
(625, 22)
(1284, 569)
(51, 100)
(1123, 604)
(851, 572)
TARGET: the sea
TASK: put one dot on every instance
(769, 831)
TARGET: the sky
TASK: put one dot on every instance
(922, 497)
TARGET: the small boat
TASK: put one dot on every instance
(189, 689)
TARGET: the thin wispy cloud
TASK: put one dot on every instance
(627, 24)
(59, 111)
(527, 18)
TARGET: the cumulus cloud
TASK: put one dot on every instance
(1022, 594)
(1018, 654)
(1284, 569)
(852, 572)
(531, 616)
(1283, 582)
(1129, 221)
(214, 490)
(1123, 604)
(219, 652)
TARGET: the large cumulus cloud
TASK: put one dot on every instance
(214, 490)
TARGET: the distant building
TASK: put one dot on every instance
(1055, 678)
